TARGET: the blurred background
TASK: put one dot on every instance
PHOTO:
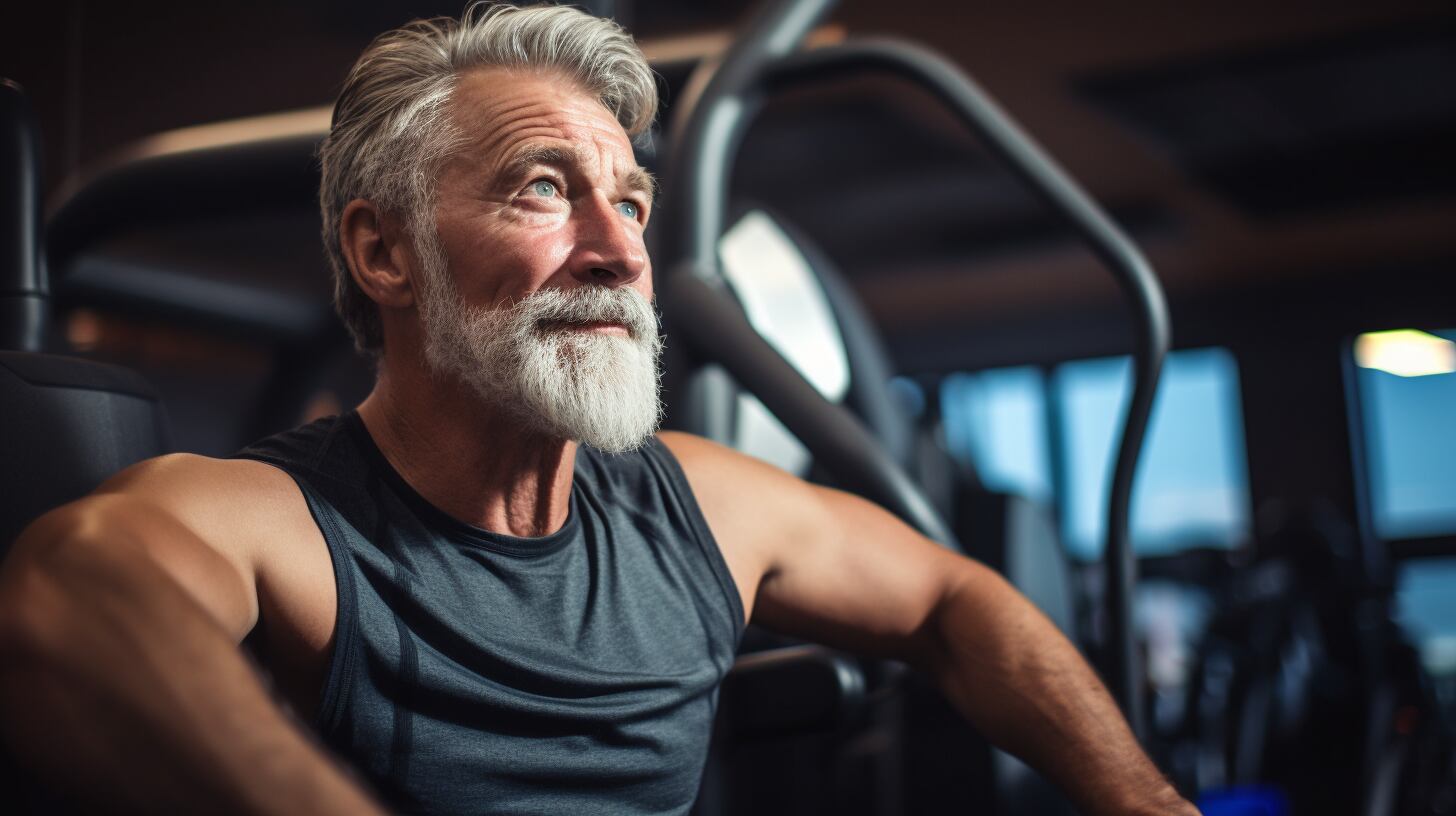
(1287, 168)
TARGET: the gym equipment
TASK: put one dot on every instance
(722, 100)
(1305, 685)
(67, 423)
(762, 61)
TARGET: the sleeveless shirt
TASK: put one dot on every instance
(475, 672)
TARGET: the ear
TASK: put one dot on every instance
(379, 254)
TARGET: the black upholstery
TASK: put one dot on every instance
(65, 426)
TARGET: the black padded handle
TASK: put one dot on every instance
(23, 289)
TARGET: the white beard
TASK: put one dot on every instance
(598, 389)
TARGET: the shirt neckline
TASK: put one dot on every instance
(447, 525)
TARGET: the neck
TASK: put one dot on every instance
(468, 458)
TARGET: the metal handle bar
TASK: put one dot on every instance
(702, 163)
(23, 289)
(1019, 153)
(713, 327)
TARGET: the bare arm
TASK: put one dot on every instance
(1012, 673)
(834, 568)
(120, 677)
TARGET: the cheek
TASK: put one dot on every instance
(506, 262)
(540, 254)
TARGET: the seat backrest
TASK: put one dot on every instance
(66, 425)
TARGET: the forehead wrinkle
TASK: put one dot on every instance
(490, 122)
(511, 134)
(493, 137)
(494, 106)
(491, 93)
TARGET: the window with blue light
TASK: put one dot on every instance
(1192, 486)
(1407, 402)
(995, 421)
(1192, 483)
(1425, 607)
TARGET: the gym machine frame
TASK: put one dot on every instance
(763, 61)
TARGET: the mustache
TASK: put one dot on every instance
(552, 308)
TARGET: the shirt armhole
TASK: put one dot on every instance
(338, 676)
(682, 493)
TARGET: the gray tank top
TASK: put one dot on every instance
(474, 672)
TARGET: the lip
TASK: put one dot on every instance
(594, 327)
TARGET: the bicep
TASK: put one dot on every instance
(823, 564)
(853, 575)
(150, 525)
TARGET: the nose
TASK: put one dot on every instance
(609, 248)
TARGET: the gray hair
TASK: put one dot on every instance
(392, 130)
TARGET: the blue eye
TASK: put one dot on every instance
(629, 209)
(543, 188)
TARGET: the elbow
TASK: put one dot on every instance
(980, 627)
(941, 636)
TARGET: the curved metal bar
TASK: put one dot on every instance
(705, 160)
(23, 288)
(715, 328)
(689, 225)
(1117, 252)
(707, 135)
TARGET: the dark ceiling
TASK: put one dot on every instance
(1242, 144)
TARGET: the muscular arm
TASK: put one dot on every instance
(1012, 673)
(120, 677)
(834, 568)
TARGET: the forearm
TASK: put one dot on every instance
(1014, 675)
(115, 682)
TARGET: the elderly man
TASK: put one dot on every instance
(492, 587)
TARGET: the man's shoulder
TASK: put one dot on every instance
(727, 482)
(711, 465)
(212, 524)
(206, 493)
(188, 478)
(693, 450)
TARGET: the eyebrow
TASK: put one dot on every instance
(641, 181)
(638, 179)
(534, 155)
